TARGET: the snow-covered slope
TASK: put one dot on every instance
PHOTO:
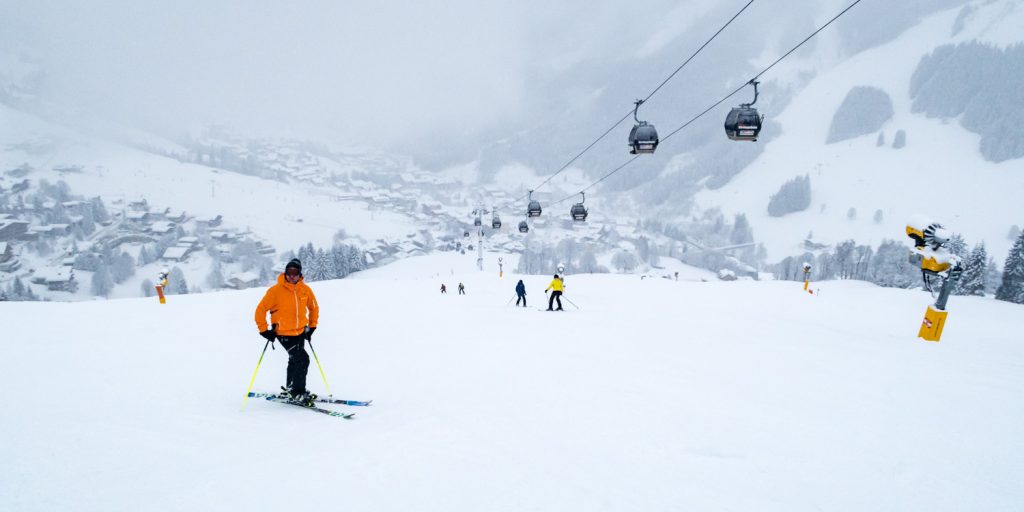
(655, 395)
(940, 172)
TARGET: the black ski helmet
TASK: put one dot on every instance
(294, 263)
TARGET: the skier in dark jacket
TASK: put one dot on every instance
(521, 293)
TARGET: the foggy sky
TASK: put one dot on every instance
(373, 72)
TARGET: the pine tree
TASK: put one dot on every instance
(321, 268)
(992, 275)
(102, 283)
(176, 282)
(741, 231)
(147, 288)
(215, 279)
(17, 289)
(144, 257)
(1012, 287)
(972, 281)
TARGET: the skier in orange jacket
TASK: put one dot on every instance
(288, 303)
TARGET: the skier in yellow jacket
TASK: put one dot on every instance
(556, 294)
(288, 302)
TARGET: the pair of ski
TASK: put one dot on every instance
(271, 397)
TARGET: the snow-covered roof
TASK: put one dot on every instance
(175, 253)
(245, 276)
(52, 275)
(161, 226)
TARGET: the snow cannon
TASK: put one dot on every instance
(940, 270)
(162, 283)
(807, 277)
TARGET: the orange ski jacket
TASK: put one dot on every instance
(288, 304)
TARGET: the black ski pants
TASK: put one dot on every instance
(522, 297)
(298, 362)
(555, 295)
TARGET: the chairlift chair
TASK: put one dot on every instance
(743, 122)
(643, 138)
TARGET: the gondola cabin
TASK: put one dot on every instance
(643, 138)
(524, 227)
(533, 210)
(496, 222)
(743, 123)
(578, 212)
(477, 221)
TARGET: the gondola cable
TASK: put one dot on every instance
(631, 112)
(717, 103)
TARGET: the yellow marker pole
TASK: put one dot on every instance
(160, 294)
(258, 363)
(321, 369)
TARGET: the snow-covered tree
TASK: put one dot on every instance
(793, 196)
(851, 213)
(102, 284)
(741, 231)
(972, 281)
(625, 261)
(1012, 287)
(878, 217)
(321, 268)
(176, 282)
(957, 246)
(1014, 232)
(144, 257)
(215, 279)
(148, 288)
(122, 267)
(900, 140)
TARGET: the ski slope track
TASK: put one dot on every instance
(655, 395)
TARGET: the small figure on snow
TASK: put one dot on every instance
(462, 289)
(288, 303)
(556, 286)
(443, 289)
(521, 293)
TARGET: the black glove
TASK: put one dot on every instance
(309, 333)
(269, 334)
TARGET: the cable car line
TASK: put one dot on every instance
(717, 103)
(632, 112)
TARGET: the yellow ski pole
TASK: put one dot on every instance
(258, 363)
(321, 368)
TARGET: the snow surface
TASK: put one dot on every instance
(940, 172)
(655, 395)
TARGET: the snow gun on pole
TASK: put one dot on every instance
(940, 270)
(807, 277)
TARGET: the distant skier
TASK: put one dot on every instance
(462, 289)
(288, 302)
(556, 288)
(521, 293)
(443, 289)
